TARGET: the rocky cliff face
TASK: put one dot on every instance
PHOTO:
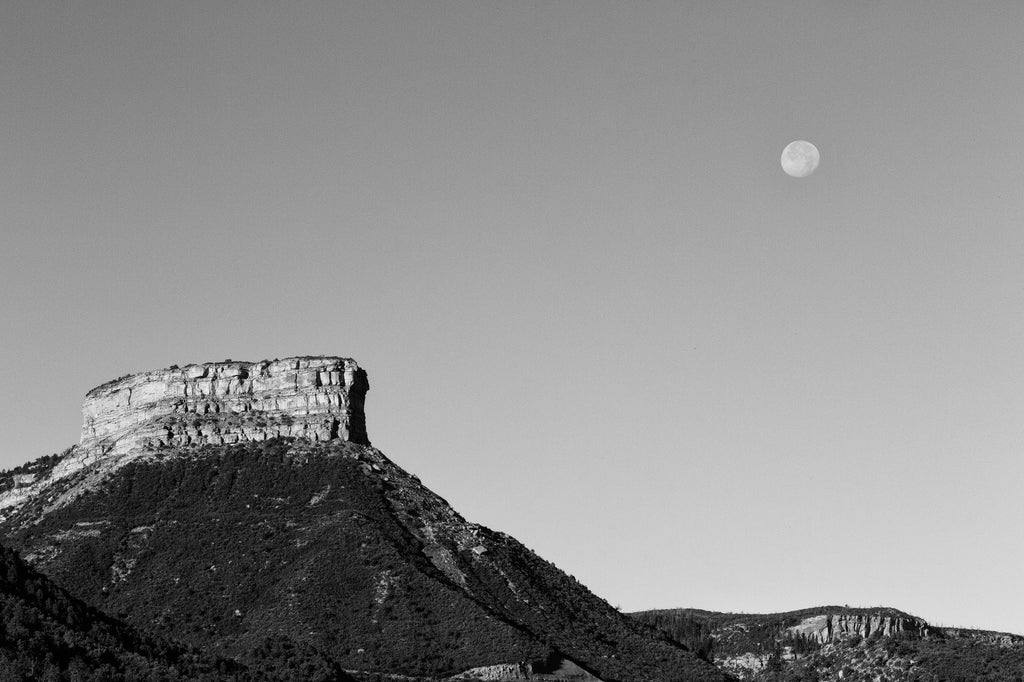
(827, 628)
(319, 398)
(218, 403)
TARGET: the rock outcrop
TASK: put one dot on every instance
(751, 646)
(319, 398)
(826, 628)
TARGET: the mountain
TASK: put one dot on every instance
(831, 643)
(230, 504)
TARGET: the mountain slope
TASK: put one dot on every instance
(45, 633)
(329, 544)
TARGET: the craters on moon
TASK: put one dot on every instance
(800, 158)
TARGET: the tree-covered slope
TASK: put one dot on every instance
(47, 634)
(334, 547)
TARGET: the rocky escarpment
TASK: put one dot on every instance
(319, 398)
(827, 627)
(219, 403)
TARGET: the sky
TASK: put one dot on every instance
(594, 311)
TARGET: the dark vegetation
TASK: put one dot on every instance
(946, 659)
(338, 557)
(46, 634)
(690, 630)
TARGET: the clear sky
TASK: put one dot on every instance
(595, 312)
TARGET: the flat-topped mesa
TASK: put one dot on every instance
(319, 398)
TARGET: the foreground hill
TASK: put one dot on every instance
(191, 509)
(832, 643)
(46, 634)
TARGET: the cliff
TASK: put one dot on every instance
(219, 403)
(828, 627)
(319, 398)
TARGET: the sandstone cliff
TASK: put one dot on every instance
(219, 403)
(826, 628)
(319, 398)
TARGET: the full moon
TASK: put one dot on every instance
(800, 158)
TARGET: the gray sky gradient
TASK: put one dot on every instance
(595, 312)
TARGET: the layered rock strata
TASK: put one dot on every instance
(826, 628)
(139, 415)
(319, 398)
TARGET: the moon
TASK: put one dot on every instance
(800, 158)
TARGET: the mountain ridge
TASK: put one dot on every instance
(829, 643)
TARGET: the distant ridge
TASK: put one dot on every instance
(832, 643)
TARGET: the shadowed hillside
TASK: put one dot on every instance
(47, 634)
(333, 546)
